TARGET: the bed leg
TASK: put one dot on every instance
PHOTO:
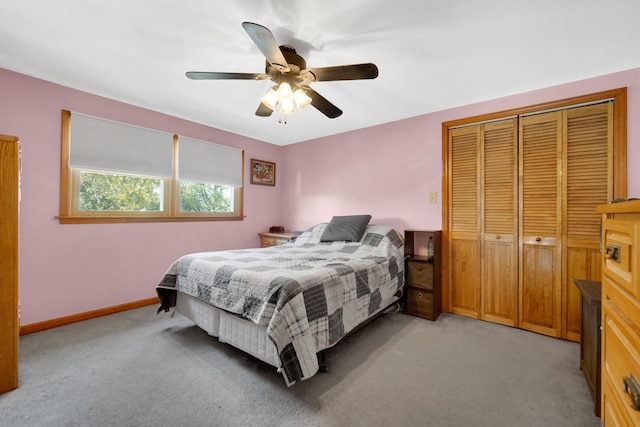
(322, 361)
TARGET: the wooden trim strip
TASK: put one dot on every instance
(619, 94)
(9, 254)
(61, 321)
(65, 173)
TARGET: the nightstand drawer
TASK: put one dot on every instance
(420, 303)
(270, 242)
(275, 239)
(420, 274)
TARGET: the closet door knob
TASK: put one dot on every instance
(497, 237)
(538, 239)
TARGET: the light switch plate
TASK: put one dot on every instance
(433, 197)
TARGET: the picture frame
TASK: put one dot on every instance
(263, 172)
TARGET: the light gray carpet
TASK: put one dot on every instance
(141, 369)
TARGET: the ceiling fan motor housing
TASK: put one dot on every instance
(292, 58)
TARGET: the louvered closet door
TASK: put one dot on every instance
(464, 244)
(541, 221)
(559, 167)
(589, 148)
(499, 188)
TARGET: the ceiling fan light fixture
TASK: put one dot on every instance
(288, 106)
(270, 99)
(285, 92)
(301, 98)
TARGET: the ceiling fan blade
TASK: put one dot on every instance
(322, 104)
(263, 110)
(266, 42)
(345, 72)
(210, 75)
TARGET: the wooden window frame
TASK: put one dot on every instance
(69, 192)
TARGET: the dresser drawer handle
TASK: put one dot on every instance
(632, 391)
(612, 252)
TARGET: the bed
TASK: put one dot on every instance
(287, 304)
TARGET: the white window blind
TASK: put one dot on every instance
(100, 144)
(206, 162)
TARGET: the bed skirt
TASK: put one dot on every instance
(238, 332)
(229, 328)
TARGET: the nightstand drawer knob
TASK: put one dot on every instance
(498, 236)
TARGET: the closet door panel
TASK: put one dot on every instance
(540, 220)
(588, 168)
(465, 271)
(539, 301)
(499, 290)
(464, 261)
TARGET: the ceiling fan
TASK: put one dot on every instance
(292, 78)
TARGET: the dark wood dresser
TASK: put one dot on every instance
(590, 346)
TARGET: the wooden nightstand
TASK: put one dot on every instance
(275, 239)
(422, 274)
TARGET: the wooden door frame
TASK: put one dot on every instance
(619, 97)
(9, 322)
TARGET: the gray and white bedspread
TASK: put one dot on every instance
(308, 294)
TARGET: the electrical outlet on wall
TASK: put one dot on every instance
(433, 197)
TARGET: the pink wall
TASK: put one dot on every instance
(388, 171)
(70, 269)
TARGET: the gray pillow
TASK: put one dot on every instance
(348, 228)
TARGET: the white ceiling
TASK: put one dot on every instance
(432, 54)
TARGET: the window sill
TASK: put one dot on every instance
(96, 219)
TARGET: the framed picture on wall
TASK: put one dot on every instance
(263, 172)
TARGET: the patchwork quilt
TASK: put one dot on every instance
(306, 293)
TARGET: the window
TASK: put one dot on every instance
(115, 172)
